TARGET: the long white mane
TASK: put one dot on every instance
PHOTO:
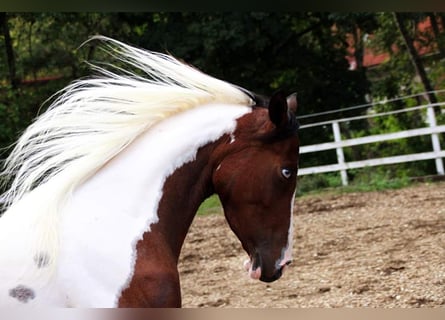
(93, 120)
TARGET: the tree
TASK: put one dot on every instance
(358, 25)
(415, 58)
(9, 49)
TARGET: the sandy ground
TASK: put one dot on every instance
(377, 249)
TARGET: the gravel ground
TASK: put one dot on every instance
(376, 249)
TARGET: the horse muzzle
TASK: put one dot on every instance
(255, 270)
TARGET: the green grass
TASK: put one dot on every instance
(363, 180)
(210, 205)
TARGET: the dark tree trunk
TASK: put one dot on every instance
(359, 48)
(442, 19)
(9, 50)
(415, 58)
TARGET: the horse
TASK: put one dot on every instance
(105, 183)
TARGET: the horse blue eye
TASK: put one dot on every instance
(287, 173)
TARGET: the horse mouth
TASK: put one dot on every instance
(254, 270)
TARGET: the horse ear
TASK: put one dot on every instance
(278, 110)
(292, 103)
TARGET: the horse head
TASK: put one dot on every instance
(255, 179)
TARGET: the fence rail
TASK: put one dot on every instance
(338, 144)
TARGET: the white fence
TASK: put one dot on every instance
(338, 144)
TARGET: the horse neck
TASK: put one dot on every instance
(183, 192)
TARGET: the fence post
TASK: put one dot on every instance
(435, 139)
(340, 154)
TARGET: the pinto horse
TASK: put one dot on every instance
(105, 184)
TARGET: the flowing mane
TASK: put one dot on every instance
(93, 120)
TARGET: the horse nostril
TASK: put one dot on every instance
(288, 262)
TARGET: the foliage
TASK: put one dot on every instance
(47, 43)
(362, 180)
(379, 178)
(19, 107)
(311, 183)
